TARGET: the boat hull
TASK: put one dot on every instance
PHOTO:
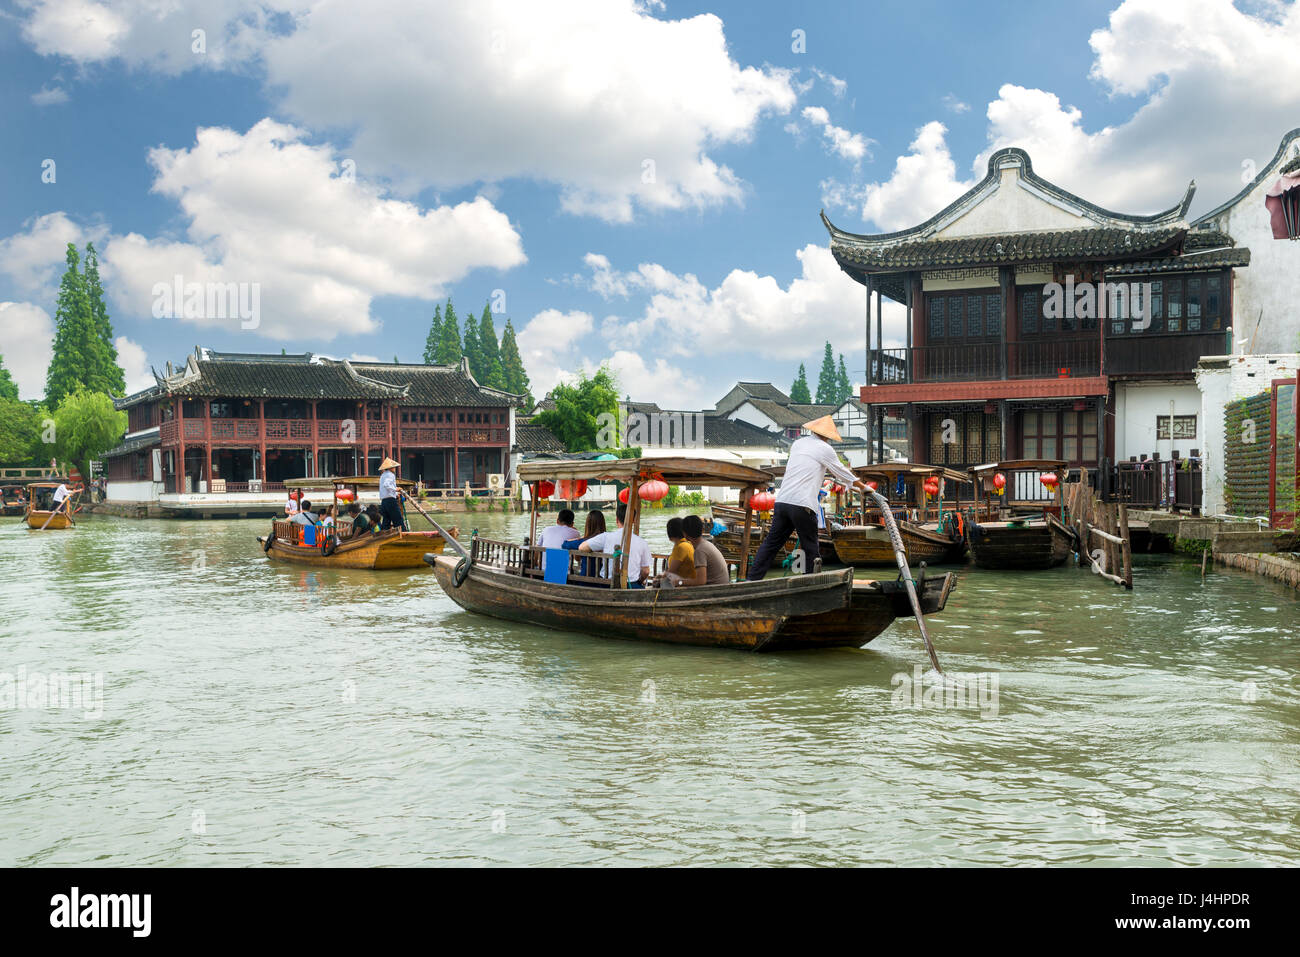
(1040, 543)
(387, 550)
(37, 520)
(869, 546)
(824, 610)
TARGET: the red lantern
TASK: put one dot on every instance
(345, 495)
(295, 495)
(652, 491)
(1049, 480)
(545, 489)
(622, 496)
(999, 481)
(570, 489)
(762, 501)
(871, 485)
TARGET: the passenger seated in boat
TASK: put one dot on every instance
(710, 565)
(681, 561)
(595, 526)
(304, 515)
(360, 520)
(559, 533)
(637, 559)
(375, 516)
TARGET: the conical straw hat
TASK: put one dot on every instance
(825, 427)
(388, 464)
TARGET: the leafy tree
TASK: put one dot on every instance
(574, 419)
(434, 337)
(8, 387)
(449, 347)
(799, 391)
(20, 433)
(86, 425)
(473, 351)
(828, 385)
(845, 385)
(489, 351)
(513, 375)
(114, 381)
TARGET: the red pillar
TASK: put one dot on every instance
(261, 431)
(315, 452)
(180, 438)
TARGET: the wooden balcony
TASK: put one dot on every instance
(982, 362)
(241, 432)
(1162, 355)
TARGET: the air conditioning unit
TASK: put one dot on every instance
(496, 481)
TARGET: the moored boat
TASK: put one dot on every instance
(817, 610)
(1028, 532)
(866, 542)
(313, 545)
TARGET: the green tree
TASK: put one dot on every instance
(449, 348)
(799, 391)
(85, 426)
(434, 337)
(113, 378)
(845, 386)
(513, 375)
(828, 385)
(8, 387)
(490, 351)
(74, 335)
(575, 418)
(20, 433)
(473, 352)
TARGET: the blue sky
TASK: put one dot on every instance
(502, 146)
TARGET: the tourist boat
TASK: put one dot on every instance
(733, 517)
(12, 501)
(1028, 532)
(526, 584)
(307, 545)
(865, 542)
(41, 493)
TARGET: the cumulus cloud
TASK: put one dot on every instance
(135, 364)
(34, 258)
(269, 209)
(617, 107)
(49, 96)
(548, 345)
(924, 181)
(28, 345)
(850, 146)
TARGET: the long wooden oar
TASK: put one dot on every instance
(900, 554)
(456, 546)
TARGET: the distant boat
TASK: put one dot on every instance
(818, 610)
(866, 543)
(38, 493)
(310, 545)
(1025, 540)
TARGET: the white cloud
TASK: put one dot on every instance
(954, 105)
(617, 107)
(34, 259)
(548, 346)
(135, 364)
(49, 96)
(924, 181)
(849, 146)
(838, 87)
(660, 381)
(28, 343)
(267, 208)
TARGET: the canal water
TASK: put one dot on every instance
(253, 713)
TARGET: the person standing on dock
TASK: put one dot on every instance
(389, 506)
(796, 509)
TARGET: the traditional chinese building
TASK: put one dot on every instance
(1000, 363)
(240, 424)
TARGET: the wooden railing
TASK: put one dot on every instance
(986, 361)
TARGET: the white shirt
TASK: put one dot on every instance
(638, 552)
(387, 484)
(291, 507)
(60, 494)
(557, 535)
(805, 470)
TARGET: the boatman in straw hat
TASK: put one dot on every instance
(388, 496)
(811, 457)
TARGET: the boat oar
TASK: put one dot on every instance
(456, 546)
(900, 554)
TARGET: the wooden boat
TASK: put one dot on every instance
(293, 542)
(733, 517)
(12, 501)
(818, 610)
(1029, 539)
(933, 542)
(41, 493)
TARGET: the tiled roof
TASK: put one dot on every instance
(783, 416)
(536, 438)
(764, 390)
(721, 432)
(1009, 248)
(281, 377)
(1211, 259)
(810, 412)
(435, 385)
(144, 440)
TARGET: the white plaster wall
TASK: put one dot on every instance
(1136, 408)
(1012, 209)
(747, 413)
(133, 491)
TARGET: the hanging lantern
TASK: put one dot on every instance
(999, 481)
(345, 495)
(762, 501)
(871, 485)
(570, 489)
(545, 489)
(622, 496)
(296, 495)
(1050, 481)
(652, 491)
(932, 488)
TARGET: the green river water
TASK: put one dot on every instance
(257, 713)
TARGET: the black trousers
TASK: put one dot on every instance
(786, 519)
(392, 513)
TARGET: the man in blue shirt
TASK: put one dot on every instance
(388, 496)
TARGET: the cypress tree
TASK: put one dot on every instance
(449, 348)
(8, 387)
(799, 391)
(513, 373)
(473, 351)
(493, 375)
(75, 342)
(107, 375)
(434, 337)
(828, 385)
(846, 387)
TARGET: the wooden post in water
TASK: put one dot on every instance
(1126, 548)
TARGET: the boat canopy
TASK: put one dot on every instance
(913, 470)
(1021, 464)
(673, 470)
(354, 481)
(33, 485)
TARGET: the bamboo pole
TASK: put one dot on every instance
(633, 506)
